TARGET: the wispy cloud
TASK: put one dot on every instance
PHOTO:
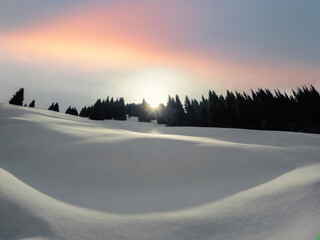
(206, 41)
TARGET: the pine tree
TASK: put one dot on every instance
(56, 107)
(83, 111)
(144, 112)
(179, 112)
(72, 111)
(170, 112)
(18, 97)
(216, 110)
(160, 114)
(174, 113)
(121, 110)
(112, 108)
(97, 111)
(204, 112)
(107, 109)
(32, 104)
(190, 116)
(51, 108)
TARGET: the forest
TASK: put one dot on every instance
(261, 109)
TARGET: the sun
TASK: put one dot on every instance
(154, 84)
(153, 96)
(154, 106)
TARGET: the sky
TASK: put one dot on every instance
(75, 51)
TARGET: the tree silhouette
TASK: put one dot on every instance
(51, 107)
(54, 107)
(191, 115)
(97, 111)
(160, 114)
(262, 109)
(32, 104)
(121, 110)
(18, 97)
(107, 109)
(144, 114)
(72, 111)
(83, 112)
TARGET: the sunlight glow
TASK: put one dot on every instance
(117, 39)
(153, 84)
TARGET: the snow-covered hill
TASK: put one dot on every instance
(65, 177)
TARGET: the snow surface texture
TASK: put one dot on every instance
(64, 177)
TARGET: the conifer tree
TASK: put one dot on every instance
(72, 111)
(51, 108)
(170, 112)
(83, 111)
(32, 104)
(204, 112)
(160, 114)
(144, 112)
(216, 110)
(112, 108)
(121, 110)
(18, 97)
(97, 111)
(190, 116)
(107, 109)
(56, 107)
(179, 112)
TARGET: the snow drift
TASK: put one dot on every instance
(64, 177)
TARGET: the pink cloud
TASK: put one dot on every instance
(149, 33)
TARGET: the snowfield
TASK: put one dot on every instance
(65, 177)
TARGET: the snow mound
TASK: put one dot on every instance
(63, 177)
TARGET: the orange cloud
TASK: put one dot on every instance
(106, 35)
(122, 36)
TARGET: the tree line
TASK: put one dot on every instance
(261, 109)
(105, 109)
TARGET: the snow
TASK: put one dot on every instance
(65, 177)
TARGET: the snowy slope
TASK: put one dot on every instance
(64, 177)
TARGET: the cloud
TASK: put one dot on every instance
(207, 41)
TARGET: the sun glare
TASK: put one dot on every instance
(154, 106)
(153, 98)
(153, 84)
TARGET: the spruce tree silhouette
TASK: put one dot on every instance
(160, 114)
(18, 97)
(204, 112)
(191, 118)
(83, 111)
(170, 112)
(97, 111)
(262, 109)
(54, 107)
(107, 109)
(72, 111)
(32, 104)
(179, 112)
(144, 114)
(121, 110)
(51, 107)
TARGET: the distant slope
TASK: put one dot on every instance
(64, 177)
